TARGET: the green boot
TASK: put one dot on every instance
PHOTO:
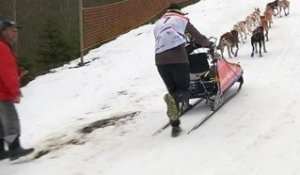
(173, 111)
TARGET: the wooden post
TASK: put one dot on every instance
(15, 10)
(15, 45)
(81, 33)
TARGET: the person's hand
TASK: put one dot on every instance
(211, 48)
(17, 99)
(212, 45)
(22, 72)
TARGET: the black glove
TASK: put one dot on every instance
(211, 48)
(212, 45)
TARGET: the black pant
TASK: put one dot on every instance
(176, 78)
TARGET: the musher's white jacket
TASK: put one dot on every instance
(170, 41)
(169, 31)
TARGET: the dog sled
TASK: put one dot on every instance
(211, 78)
(212, 75)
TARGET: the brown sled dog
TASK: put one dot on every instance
(285, 6)
(269, 15)
(240, 27)
(264, 24)
(274, 6)
(229, 40)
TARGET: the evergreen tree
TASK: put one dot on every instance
(53, 50)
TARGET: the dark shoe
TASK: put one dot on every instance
(2, 145)
(3, 155)
(15, 144)
(16, 151)
(19, 152)
(175, 123)
(176, 131)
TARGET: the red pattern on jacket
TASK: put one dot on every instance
(9, 78)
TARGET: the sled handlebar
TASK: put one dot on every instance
(212, 49)
(191, 46)
(213, 39)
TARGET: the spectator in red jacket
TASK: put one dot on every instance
(9, 94)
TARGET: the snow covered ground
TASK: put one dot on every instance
(256, 133)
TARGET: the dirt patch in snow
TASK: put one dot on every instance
(78, 138)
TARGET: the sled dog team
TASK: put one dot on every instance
(257, 25)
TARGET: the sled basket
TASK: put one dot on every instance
(198, 62)
(200, 89)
